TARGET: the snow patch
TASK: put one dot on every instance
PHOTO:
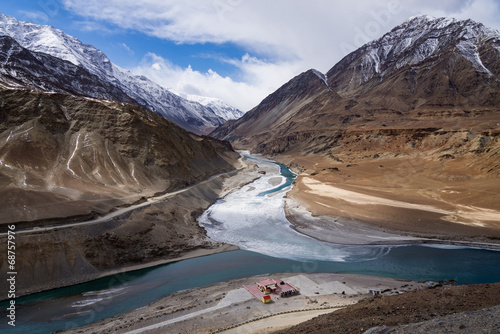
(322, 77)
(72, 156)
(468, 50)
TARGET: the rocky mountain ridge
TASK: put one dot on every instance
(21, 68)
(63, 155)
(218, 106)
(67, 160)
(430, 86)
(191, 115)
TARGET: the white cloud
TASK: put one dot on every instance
(92, 26)
(258, 79)
(34, 16)
(126, 47)
(295, 34)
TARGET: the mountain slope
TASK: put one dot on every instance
(45, 39)
(20, 67)
(439, 60)
(276, 110)
(426, 74)
(413, 117)
(63, 155)
(66, 161)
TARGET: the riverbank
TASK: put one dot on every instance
(392, 201)
(160, 232)
(228, 308)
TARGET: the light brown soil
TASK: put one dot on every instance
(409, 196)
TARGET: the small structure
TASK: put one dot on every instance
(267, 289)
(375, 292)
(267, 286)
(266, 299)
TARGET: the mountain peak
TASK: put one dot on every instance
(219, 107)
(190, 115)
(52, 41)
(426, 73)
(430, 22)
(413, 42)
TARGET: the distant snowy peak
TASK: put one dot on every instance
(415, 40)
(54, 42)
(45, 39)
(219, 107)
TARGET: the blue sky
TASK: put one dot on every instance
(236, 50)
(125, 47)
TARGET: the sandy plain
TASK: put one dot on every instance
(406, 197)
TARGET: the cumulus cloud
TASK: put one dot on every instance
(293, 35)
(259, 78)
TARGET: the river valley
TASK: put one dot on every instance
(253, 219)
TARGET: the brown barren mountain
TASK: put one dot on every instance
(62, 155)
(412, 118)
(66, 160)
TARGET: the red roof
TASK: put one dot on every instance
(265, 282)
(266, 297)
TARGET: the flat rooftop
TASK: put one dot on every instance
(283, 289)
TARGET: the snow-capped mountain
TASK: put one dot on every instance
(419, 40)
(20, 67)
(191, 115)
(219, 107)
(390, 95)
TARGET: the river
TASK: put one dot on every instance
(253, 219)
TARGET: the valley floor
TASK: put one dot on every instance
(402, 214)
(402, 196)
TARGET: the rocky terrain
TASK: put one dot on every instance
(67, 159)
(459, 309)
(411, 116)
(62, 155)
(424, 76)
(21, 67)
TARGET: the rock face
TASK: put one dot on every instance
(67, 159)
(88, 60)
(63, 155)
(429, 86)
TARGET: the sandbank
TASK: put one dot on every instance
(387, 201)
